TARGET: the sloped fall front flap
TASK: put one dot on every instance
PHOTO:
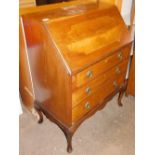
(87, 37)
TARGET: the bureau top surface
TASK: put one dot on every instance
(84, 34)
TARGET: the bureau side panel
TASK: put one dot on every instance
(52, 83)
(59, 80)
(25, 83)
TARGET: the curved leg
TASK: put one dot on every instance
(120, 98)
(39, 113)
(69, 136)
(122, 93)
(69, 143)
(40, 119)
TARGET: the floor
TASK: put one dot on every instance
(109, 132)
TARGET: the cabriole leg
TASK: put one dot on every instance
(120, 98)
(69, 143)
(122, 93)
(69, 136)
(40, 119)
(39, 113)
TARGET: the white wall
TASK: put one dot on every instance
(126, 10)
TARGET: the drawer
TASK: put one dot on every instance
(93, 71)
(88, 89)
(96, 98)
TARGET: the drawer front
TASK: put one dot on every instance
(93, 71)
(96, 99)
(90, 88)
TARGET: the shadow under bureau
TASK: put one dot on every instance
(73, 60)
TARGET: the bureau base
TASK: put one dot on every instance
(69, 131)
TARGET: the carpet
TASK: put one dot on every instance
(110, 131)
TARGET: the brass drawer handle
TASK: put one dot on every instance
(117, 70)
(87, 105)
(88, 90)
(89, 74)
(120, 56)
(115, 84)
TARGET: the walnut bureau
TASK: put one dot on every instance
(73, 60)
